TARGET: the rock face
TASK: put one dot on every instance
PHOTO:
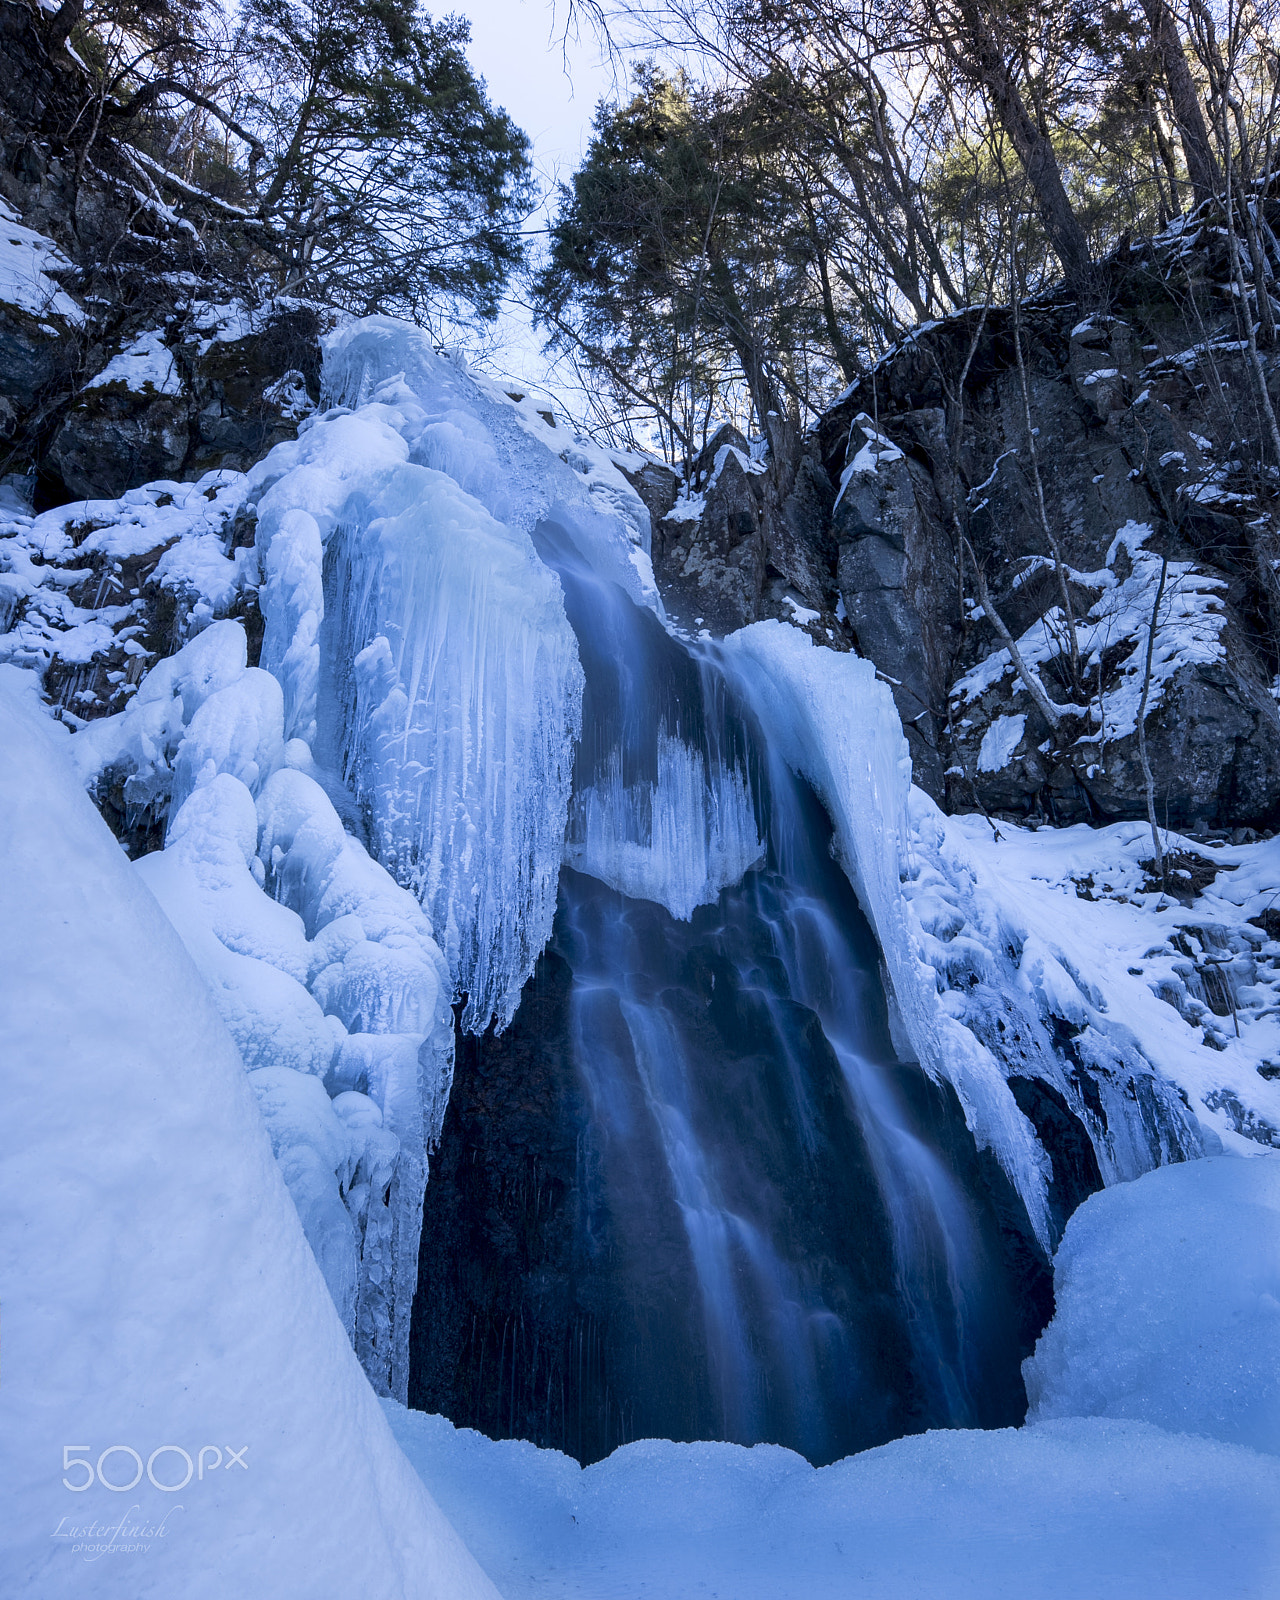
(125, 355)
(1100, 463)
(236, 383)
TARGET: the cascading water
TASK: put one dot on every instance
(692, 1192)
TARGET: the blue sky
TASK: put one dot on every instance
(551, 92)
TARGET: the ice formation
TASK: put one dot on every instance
(833, 722)
(160, 1299)
(450, 693)
(679, 840)
(330, 982)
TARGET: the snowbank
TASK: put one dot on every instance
(1168, 1305)
(159, 1294)
(1111, 1510)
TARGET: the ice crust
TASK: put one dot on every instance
(159, 1290)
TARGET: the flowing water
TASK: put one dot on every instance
(769, 1228)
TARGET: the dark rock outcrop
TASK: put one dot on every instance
(234, 398)
(103, 272)
(1147, 445)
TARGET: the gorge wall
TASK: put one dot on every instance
(1149, 440)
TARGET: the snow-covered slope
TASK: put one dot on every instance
(165, 1323)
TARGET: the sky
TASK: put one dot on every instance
(550, 88)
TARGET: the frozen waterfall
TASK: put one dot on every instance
(460, 611)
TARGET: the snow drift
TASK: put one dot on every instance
(162, 1308)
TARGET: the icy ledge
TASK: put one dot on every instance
(160, 1292)
(1039, 958)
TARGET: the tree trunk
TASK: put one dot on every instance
(1202, 169)
(976, 53)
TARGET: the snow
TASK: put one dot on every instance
(1135, 966)
(1168, 1305)
(1188, 633)
(26, 260)
(999, 742)
(160, 1292)
(179, 526)
(144, 366)
(878, 448)
(221, 323)
(801, 615)
(1112, 1510)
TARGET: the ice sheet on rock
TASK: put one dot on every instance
(215, 837)
(449, 692)
(300, 490)
(239, 730)
(834, 723)
(311, 1146)
(146, 1236)
(452, 680)
(269, 1014)
(1167, 1296)
(501, 450)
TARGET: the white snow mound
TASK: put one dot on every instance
(161, 1304)
(1168, 1305)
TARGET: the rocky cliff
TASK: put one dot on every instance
(131, 349)
(1096, 467)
